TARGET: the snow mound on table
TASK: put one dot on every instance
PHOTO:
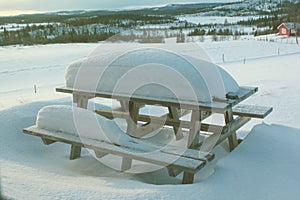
(72, 70)
(85, 124)
(151, 72)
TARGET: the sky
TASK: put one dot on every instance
(13, 7)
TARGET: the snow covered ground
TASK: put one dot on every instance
(264, 166)
(200, 19)
(44, 66)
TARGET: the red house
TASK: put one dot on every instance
(288, 29)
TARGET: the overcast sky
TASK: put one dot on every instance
(7, 6)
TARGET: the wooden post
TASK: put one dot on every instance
(133, 109)
(194, 129)
(75, 152)
(100, 154)
(188, 178)
(173, 171)
(133, 118)
(173, 114)
(126, 164)
(47, 141)
(124, 105)
(82, 102)
(232, 139)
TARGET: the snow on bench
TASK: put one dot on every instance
(80, 128)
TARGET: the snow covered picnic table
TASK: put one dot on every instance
(181, 83)
(130, 106)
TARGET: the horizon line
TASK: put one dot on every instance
(13, 13)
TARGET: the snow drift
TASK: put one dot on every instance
(85, 124)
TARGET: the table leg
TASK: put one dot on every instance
(126, 164)
(133, 109)
(194, 129)
(82, 102)
(75, 152)
(232, 139)
(173, 114)
(188, 178)
(124, 105)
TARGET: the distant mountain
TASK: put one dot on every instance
(178, 9)
(171, 9)
(185, 6)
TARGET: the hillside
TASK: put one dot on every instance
(149, 24)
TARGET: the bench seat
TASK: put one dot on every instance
(187, 161)
(252, 111)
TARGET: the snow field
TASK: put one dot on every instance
(264, 166)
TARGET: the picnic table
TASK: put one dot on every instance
(130, 106)
(235, 115)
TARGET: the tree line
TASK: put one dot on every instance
(77, 30)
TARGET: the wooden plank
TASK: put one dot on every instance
(47, 142)
(251, 111)
(183, 112)
(217, 107)
(100, 154)
(188, 153)
(232, 138)
(126, 164)
(82, 99)
(133, 118)
(232, 127)
(124, 105)
(157, 157)
(75, 152)
(157, 120)
(188, 178)
(193, 139)
(146, 129)
(242, 94)
(82, 102)
(173, 114)
(173, 172)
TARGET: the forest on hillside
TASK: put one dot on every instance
(149, 25)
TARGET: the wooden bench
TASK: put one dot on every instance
(253, 111)
(244, 113)
(175, 159)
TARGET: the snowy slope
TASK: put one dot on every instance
(264, 166)
(23, 67)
